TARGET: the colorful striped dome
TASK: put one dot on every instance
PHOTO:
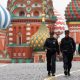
(60, 23)
(72, 12)
(4, 18)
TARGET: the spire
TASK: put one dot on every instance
(43, 10)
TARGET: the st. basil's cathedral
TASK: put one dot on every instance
(23, 38)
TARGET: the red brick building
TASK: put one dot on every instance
(4, 22)
(26, 19)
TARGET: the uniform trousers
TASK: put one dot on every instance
(67, 60)
(51, 62)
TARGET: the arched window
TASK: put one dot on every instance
(21, 13)
(19, 38)
(36, 13)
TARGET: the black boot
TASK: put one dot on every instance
(53, 74)
(48, 73)
(65, 72)
(68, 72)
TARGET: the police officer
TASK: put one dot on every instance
(67, 48)
(51, 44)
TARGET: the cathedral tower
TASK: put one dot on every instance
(26, 19)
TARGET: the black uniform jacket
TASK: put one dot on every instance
(51, 44)
(67, 45)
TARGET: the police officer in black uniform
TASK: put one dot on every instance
(67, 48)
(51, 44)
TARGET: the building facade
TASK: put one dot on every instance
(4, 22)
(26, 18)
(72, 15)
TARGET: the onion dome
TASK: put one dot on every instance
(60, 24)
(38, 39)
(4, 18)
(72, 12)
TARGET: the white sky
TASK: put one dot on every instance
(59, 5)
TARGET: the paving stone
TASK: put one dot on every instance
(36, 71)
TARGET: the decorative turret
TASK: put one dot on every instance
(72, 15)
(4, 18)
(26, 21)
(4, 25)
(60, 24)
(38, 39)
(72, 12)
(30, 9)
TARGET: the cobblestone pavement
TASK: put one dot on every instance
(37, 71)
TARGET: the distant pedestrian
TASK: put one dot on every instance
(67, 48)
(51, 44)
